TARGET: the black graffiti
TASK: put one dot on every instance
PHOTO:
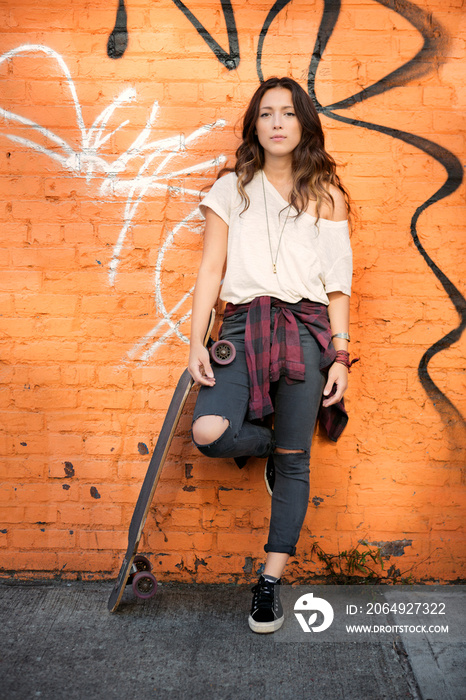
(230, 59)
(274, 11)
(436, 41)
(435, 44)
(118, 39)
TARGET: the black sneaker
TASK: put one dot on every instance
(269, 474)
(266, 610)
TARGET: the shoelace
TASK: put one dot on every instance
(263, 594)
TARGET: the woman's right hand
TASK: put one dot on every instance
(199, 366)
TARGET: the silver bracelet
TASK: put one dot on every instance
(345, 336)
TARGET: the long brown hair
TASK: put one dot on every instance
(312, 167)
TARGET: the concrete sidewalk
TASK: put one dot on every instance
(190, 641)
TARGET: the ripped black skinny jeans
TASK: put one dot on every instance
(296, 407)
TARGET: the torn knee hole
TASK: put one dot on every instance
(208, 429)
(281, 451)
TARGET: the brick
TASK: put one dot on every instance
(387, 20)
(44, 492)
(13, 91)
(171, 493)
(173, 541)
(104, 399)
(78, 233)
(17, 328)
(60, 211)
(109, 494)
(77, 514)
(446, 121)
(182, 92)
(100, 304)
(48, 92)
(72, 282)
(40, 514)
(42, 538)
(59, 328)
(102, 539)
(111, 351)
(350, 521)
(395, 521)
(39, 375)
(51, 258)
(186, 518)
(43, 350)
(46, 304)
(77, 421)
(102, 445)
(97, 328)
(249, 543)
(45, 233)
(437, 96)
(42, 397)
(215, 519)
(153, 376)
(12, 514)
(251, 498)
(22, 468)
(159, 398)
(454, 522)
(16, 281)
(95, 470)
(21, 186)
(15, 233)
(167, 565)
(29, 561)
(6, 302)
(78, 374)
(99, 562)
(134, 471)
(5, 258)
(35, 18)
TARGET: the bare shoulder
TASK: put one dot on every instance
(339, 211)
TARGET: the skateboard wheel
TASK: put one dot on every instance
(223, 352)
(142, 563)
(144, 585)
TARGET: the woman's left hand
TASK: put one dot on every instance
(338, 376)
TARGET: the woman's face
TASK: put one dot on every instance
(277, 126)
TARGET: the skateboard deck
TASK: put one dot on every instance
(138, 568)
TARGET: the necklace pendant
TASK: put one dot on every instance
(274, 269)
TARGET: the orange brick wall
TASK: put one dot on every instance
(101, 159)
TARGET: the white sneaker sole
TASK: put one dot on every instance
(266, 482)
(265, 627)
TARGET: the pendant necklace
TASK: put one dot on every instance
(274, 262)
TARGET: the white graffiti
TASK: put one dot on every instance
(153, 174)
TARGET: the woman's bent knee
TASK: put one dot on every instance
(208, 429)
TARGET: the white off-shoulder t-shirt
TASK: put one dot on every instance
(313, 258)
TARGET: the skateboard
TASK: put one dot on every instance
(136, 569)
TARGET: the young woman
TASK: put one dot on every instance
(277, 231)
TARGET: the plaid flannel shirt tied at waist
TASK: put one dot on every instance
(282, 355)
